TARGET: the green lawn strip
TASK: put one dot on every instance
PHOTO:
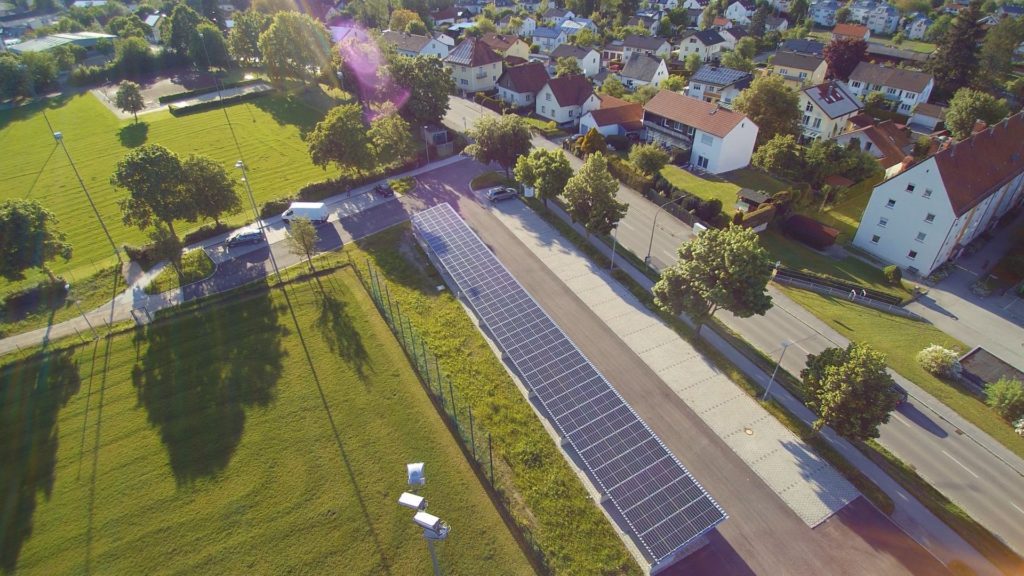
(402, 185)
(545, 127)
(202, 443)
(790, 421)
(544, 495)
(900, 339)
(488, 179)
(195, 266)
(89, 293)
(952, 515)
(845, 215)
(723, 187)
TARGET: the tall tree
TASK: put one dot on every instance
(968, 106)
(955, 61)
(501, 139)
(244, 38)
(391, 138)
(772, 105)
(401, 18)
(14, 78)
(938, 29)
(428, 85)
(590, 197)
(42, 70)
(208, 47)
(341, 138)
(166, 246)
(707, 17)
(591, 143)
(129, 99)
(133, 56)
(648, 158)
(180, 28)
(736, 61)
(546, 171)
(29, 238)
(302, 239)
(612, 86)
(212, 190)
(997, 52)
(798, 10)
(780, 156)
(721, 268)
(843, 55)
(692, 63)
(746, 47)
(127, 26)
(759, 20)
(674, 84)
(293, 46)
(850, 390)
(567, 66)
(152, 176)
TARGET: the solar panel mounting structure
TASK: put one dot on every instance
(665, 507)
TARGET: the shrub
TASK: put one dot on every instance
(168, 98)
(620, 143)
(893, 274)
(211, 104)
(145, 256)
(274, 207)
(627, 173)
(940, 361)
(1006, 397)
(206, 232)
(691, 203)
(709, 210)
(316, 191)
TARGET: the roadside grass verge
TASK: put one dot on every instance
(900, 339)
(248, 458)
(543, 494)
(488, 179)
(402, 185)
(546, 128)
(89, 293)
(195, 266)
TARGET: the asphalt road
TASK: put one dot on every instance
(966, 472)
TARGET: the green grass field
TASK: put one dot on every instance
(205, 443)
(89, 292)
(269, 131)
(195, 266)
(723, 187)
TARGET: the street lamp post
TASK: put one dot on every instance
(59, 137)
(67, 291)
(771, 380)
(252, 201)
(615, 241)
(647, 259)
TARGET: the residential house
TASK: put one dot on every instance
(475, 67)
(707, 43)
(882, 54)
(776, 23)
(851, 31)
(445, 16)
(154, 22)
(720, 23)
(1008, 10)
(781, 5)
(887, 141)
(573, 27)
(567, 99)
(860, 9)
(588, 58)
(731, 36)
(717, 84)
(547, 39)
(906, 88)
(649, 24)
(444, 39)
(415, 44)
(925, 215)
(917, 28)
(883, 19)
(507, 45)
(823, 12)
(612, 51)
(799, 69)
(698, 5)
(665, 5)
(529, 24)
(558, 16)
(519, 85)
(928, 117)
(614, 117)
(740, 11)
(652, 45)
(719, 139)
(826, 109)
(641, 70)
(812, 47)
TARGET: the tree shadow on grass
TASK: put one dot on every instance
(134, 134)
(289, 110)
(200, 372)
(32, 392)
(335, 325)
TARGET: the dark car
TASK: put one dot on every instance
(899, 392)
(241, 237)
(383, 189)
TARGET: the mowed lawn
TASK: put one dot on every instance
(723, 187)
(206, 444)
(32, 165)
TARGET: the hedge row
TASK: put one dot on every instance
(628, 174)
(217, 103)
(200, 91)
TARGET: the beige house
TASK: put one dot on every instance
(506, 45)
(826, 109)
(799, 70)
(475, 66)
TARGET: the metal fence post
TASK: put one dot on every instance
(455, 410)
(390, 314)
(437, 368)
(472, 434)
(426, 364)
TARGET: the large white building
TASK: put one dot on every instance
(926, 214)
(905, 88)
(719, 139)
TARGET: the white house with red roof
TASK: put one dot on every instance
(475, 66)
(615, 117)
(565, 100)
(924, 215)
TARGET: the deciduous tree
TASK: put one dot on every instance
(843, 55)
(612, 86)
(567, 66)
(772, 105)
(180, 28)
(129, 99)
(759, 20)
(590, 197)
(29, 238)
(673, 83)
(850, 390)
(997, 52)
(341, 138)
(643, 94)
(592, 143)
(391, 138)
(429, 86)
(501, 139)
(546, 171)
(955, 61)
(722, 268)
(152, 175)
(244, 38)
(210, 187)
(736, 61)
(648, 158)
(302, 239)
(294, 45)
(968, 106)
(780, 156)
(1006, 397)
(401, 18)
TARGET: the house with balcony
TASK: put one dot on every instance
(917, 28)
(475, 67)
(826, 109)
(612, 51)
(567, 99)
(706, 43)
(904, 88)
(651, 45)
(798, 69)
(518, 85)
(614, 117)
(740, 11)
(641, 70)
(719, 139)
(823, 12)
(859, 10)
(883, 19)
(414, 44)
(589, 60)
(926, 214)
(717, 84)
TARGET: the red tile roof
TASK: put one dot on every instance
(975, 168)
(891, 139)
(499, 42)
(851, 30)
(571, 90)
(702, 115)
(629, 115)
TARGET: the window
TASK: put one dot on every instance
(868, 145)
(883, 222)
(875, 239)
(706, 139)
(807, 119)
(817, 123)
(929, 218)
(803, 75)
(890, 91)
(921, 236)
(927, 193)
(905, 107)
(910, 95)
(543, 110)
(548, 96)
(912, 254)
(855, 84)
(809, 107)
(529, 97)
(464, 82)
(702, 162)
(891, 203)
(784, 71)
(910, 187)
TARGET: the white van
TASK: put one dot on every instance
(314, 211)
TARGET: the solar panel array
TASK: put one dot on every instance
(664, 506)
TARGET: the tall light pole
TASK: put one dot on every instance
(59, 137)
(67, 291)
(647, 259)
(248, 189)
(785, 344)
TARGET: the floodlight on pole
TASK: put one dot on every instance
(785, 344)
(654, 222)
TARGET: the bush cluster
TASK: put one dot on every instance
(628, 174)
(1006, 397)
(211, 104)
(145, 256)
(941, 362)
(205, 232)
(177, 96)
(893, 274)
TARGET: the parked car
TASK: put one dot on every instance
(500, 193)
(384, 190)
(900, 391)
(244, 236)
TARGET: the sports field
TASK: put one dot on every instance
(205, 443)
(33, 165)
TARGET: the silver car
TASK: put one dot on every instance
(500, 193)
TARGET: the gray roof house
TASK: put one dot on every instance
(642, 69)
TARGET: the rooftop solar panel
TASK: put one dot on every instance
(663, 505)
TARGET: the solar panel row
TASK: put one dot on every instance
(663, 505)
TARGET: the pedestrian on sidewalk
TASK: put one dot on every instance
(853, 294)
